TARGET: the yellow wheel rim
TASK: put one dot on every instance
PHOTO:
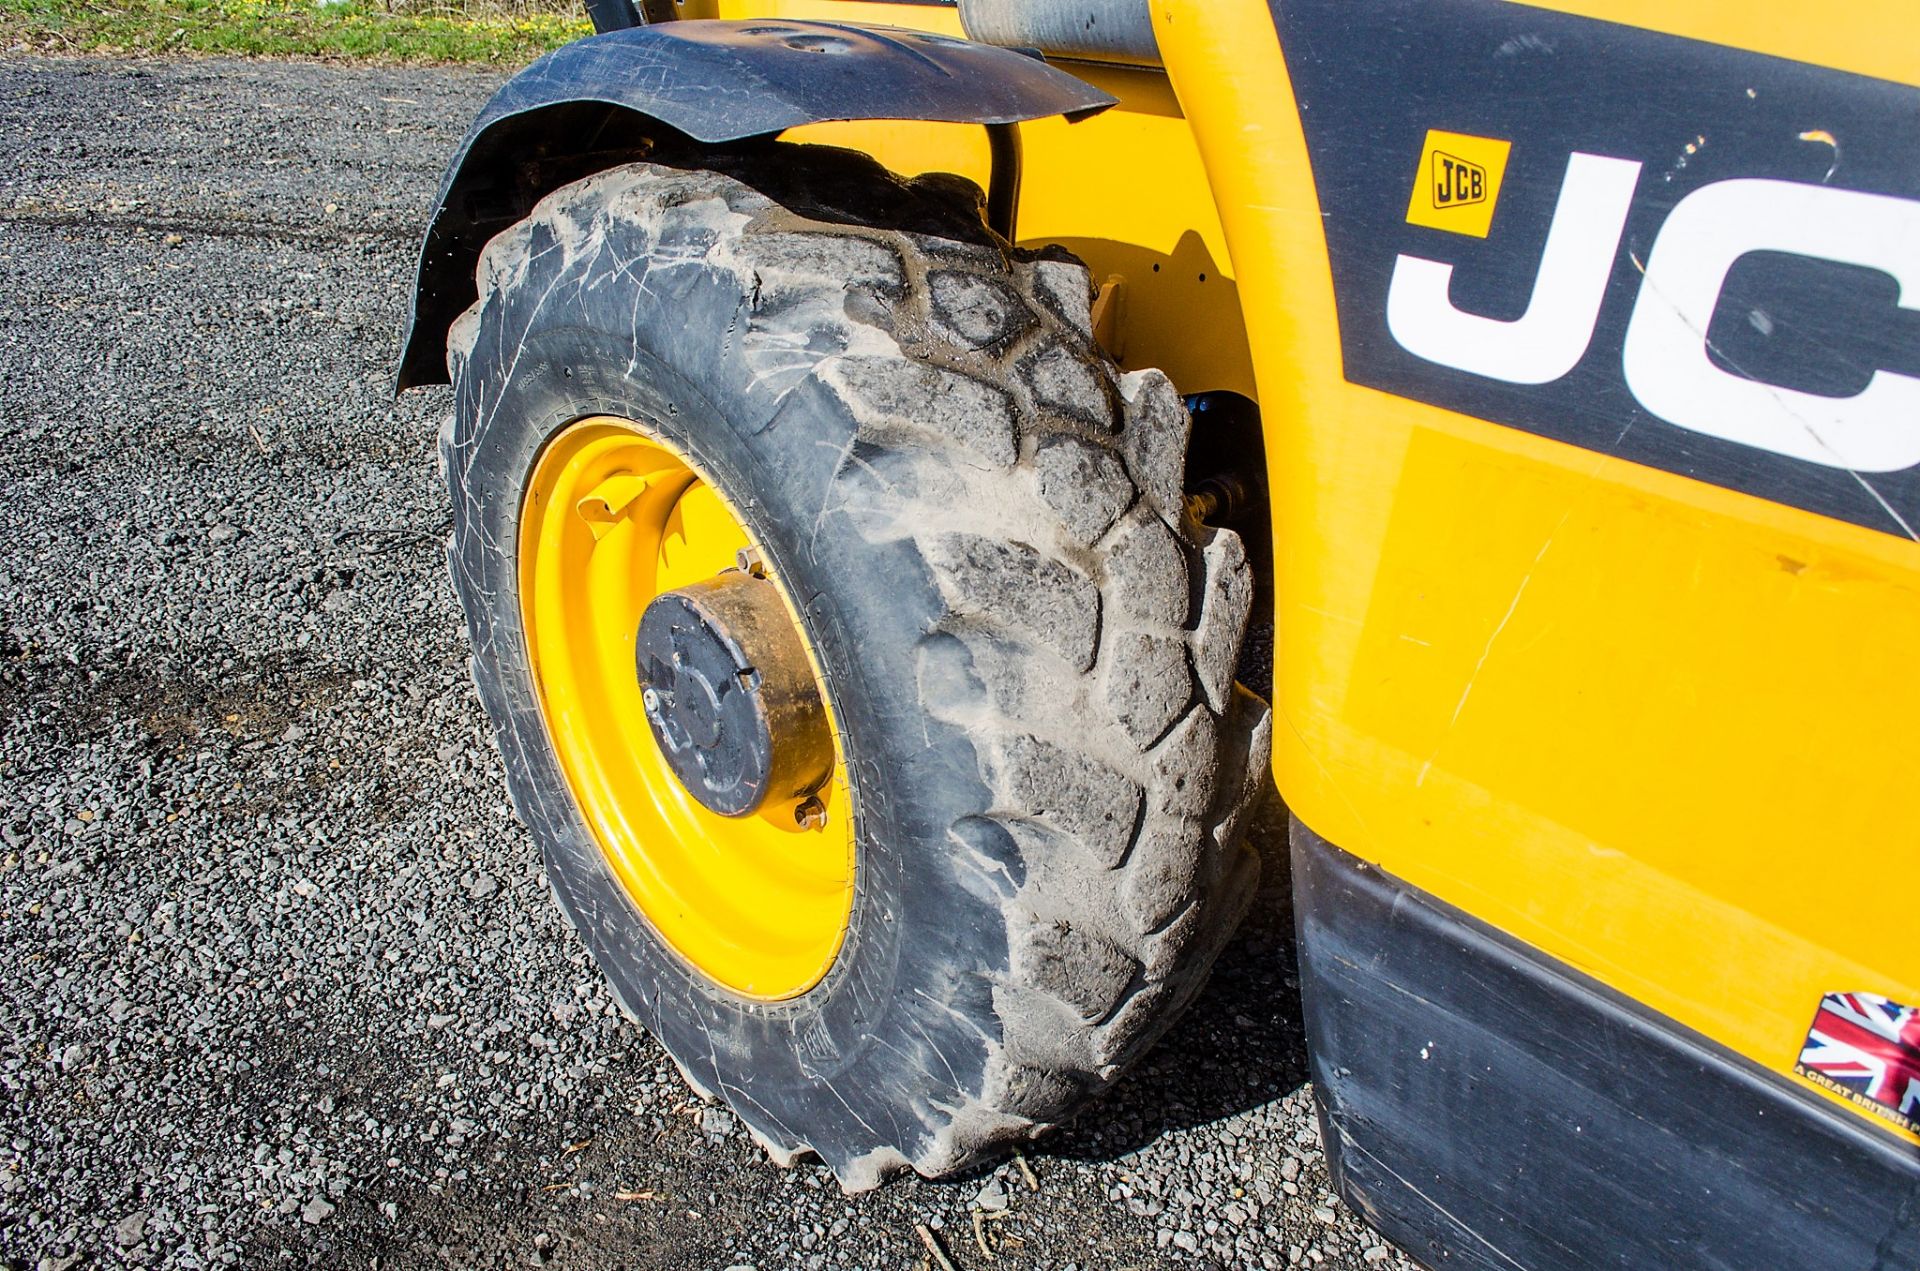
(613, 517)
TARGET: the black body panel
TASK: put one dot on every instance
(1485, 1106)
(1372, 78)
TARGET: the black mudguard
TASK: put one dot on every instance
(708, 82)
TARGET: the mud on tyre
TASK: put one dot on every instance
(1027, 645)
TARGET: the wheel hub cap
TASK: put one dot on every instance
(729, 695)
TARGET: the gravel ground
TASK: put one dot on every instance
(284, 984)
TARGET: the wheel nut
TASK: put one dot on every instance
(810, 813)
(650, 700)
(750, 562)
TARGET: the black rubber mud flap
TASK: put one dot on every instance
(1028, 644)
(1487, 1107)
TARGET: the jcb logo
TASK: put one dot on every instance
(1462, 183)
(1663, 357)
(1456, 181)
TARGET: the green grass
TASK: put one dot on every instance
(361, 30)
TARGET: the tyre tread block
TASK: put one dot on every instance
(1156, 429)
(1084, 970)
(1226, 603)
(1069, 792)
(1017, 584)
(909, 402)
(1145, 683)
(1147, 573)
(1085, 485)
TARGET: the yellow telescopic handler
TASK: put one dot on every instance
(879, 425)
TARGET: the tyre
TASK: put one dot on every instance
(851, 655)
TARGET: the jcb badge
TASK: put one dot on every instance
(1455, 181)
(1459, 182)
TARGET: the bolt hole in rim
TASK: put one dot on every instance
(613, 517)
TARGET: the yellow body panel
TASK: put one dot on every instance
(1868, 37)
(1653, 727)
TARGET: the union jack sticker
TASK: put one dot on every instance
(1867, 1050)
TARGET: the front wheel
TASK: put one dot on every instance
(851, 655)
